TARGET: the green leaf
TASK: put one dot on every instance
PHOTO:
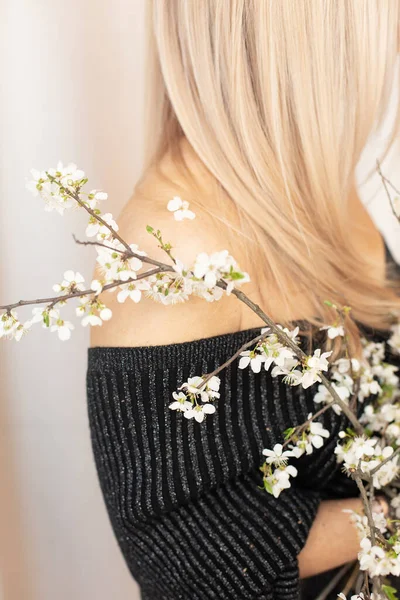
(289, 432)
(46, 319)
(268, 488)
(390, 592)
(328, 303)
(236, 275)
(149, 229)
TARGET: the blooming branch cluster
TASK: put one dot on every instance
(276, 470)
(365, 455)
(194, 402)
(369, 452)
(306, 438)
(120, 264)
(270, 351)
(382, 557)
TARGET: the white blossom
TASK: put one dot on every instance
(361, 596)
(101, 231)
(114, 265)
(96, 286)
(209, 266)
(378, 562)
(210, 294)
(324, 396)
(199, 411)
(132, 290)
(270, 351)
(361, 521)
(50, 190)
(219, 265)
(387, 472)
(181, 402)
(196, 386)
(180, 208)
(373, 352)
(63, 329)
(91, 307)
(252, 358)
(45, 315)
(72, 281)
(21, 329)
(312, 437)
(279, 479)
(94, 197)
(105, 314)
(333, 331)
(313, 367)
(92, 320)
(167, 288)
(354, 450)
(277, 456)
(8, 324)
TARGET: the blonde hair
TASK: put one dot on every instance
(277, 99)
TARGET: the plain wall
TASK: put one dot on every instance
(72, 90)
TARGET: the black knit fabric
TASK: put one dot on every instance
(184, 498)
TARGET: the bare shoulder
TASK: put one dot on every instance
(150, 323)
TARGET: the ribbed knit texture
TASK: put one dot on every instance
(184, 498)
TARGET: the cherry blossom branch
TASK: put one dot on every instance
(285, 339)
(300, 428)
(255, 340)
(129, 252)
(78, 200)
(385, 181)
(100, 244)
(366, 501)
(215, 269)
(368, 513)
(78, 294)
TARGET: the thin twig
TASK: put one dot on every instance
(301, 428)
(388, 459)
(384, 182)
(100, 244)
(367, 506)
(232, 358)
(75, 196)
(331, 585)
(77, 294)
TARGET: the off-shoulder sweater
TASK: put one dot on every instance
(185, 499)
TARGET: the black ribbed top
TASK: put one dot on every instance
(184, 498)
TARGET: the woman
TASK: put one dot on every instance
(260, 110)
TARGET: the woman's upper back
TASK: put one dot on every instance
(150, 323)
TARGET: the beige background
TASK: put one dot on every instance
(71, 89)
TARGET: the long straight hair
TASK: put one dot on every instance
(277, 99)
